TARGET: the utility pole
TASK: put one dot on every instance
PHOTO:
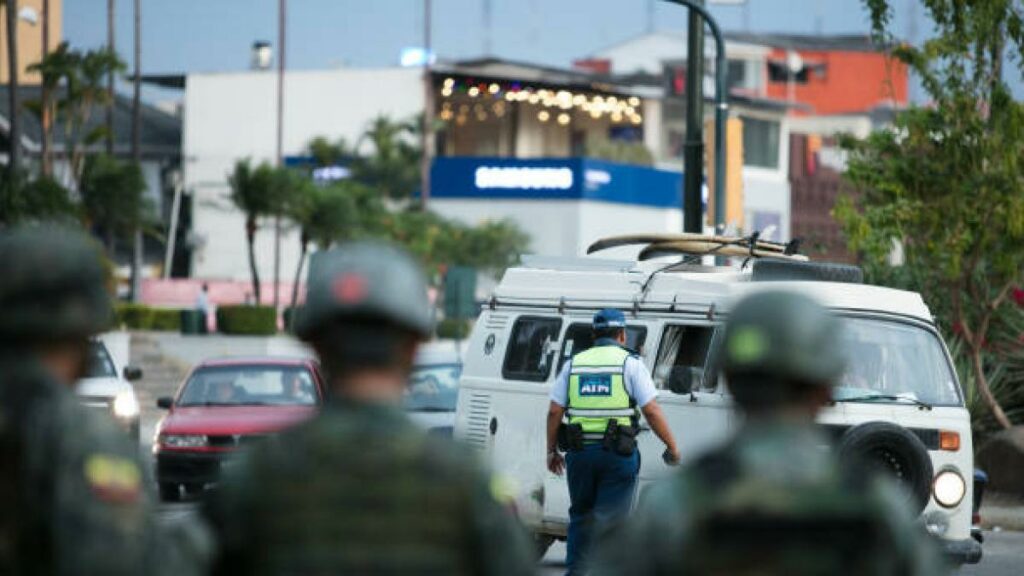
(487, 27)
(693, 152)
(427, 142)
(282, 9)
(14, 102)
(137, 240)
(111, 35)
(44, 97)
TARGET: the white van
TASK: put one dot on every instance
(900, 401)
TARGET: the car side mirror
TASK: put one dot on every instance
(164, 402)
(132, 373)
(680, 380)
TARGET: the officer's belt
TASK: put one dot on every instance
(602, 412)
(597, 369)
(593, 437)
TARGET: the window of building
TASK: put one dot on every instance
(531, 349)
(779, 73)
(580, 336)
(761, 143)
(683, 353)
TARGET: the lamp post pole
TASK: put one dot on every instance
(694, 153)
(427, 143)
(282, 9)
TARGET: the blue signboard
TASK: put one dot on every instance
(554, 179)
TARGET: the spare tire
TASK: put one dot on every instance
(768, 270)
(892, 450)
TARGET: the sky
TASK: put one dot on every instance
(216, 35)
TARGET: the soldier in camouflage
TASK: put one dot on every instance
(73, 496)
(360, 489)
(772, 500)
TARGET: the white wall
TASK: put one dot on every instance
(565, 227)
(232, 116)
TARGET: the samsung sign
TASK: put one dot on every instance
(526, 178)
(554, 179)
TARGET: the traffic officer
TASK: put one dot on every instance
(773, 500)
(602, 390)
(360, 489)
(73, 495)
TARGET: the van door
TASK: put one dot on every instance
(579, 336)
(698, 413)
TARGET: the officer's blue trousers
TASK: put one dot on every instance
(601, 485)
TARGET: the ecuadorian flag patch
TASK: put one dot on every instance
(595, 385)
(112, 478)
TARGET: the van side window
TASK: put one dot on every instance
(683, 349)
(580, 336)
(531, 350)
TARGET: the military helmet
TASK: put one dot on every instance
(365, 280)
(53, 285)
(783, 335)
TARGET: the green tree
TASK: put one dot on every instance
(945, 181)
(113, 197)
(392, 168)
(75, 80)
(40, 199)
(258, 192)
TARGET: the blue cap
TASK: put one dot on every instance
(609, 318)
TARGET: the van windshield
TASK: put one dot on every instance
(890, 361)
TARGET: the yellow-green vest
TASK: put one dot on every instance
(597, 391)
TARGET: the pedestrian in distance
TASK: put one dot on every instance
(360, 489)
(600, 394)
(203, 306)
(774, 500)
(74, 498)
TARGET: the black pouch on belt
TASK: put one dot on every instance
(620, 439)
(570, 437)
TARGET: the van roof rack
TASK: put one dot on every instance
(657, 245)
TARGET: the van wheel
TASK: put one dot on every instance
(541, 544)
(892, 450)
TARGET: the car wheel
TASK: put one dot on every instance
(891, 450)
(541, 544)
(170, 492)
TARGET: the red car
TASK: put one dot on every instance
(223, 405)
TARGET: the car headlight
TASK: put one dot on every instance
(949, 488)
(125, 404)
(183, 440)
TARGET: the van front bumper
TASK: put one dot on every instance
(967, 551)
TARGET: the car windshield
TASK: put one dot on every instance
(248, 385)
(894, 362)
(433, 388)
(100, 365)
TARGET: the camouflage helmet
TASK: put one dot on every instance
(53, 285)
(783, 336)
(365, 280)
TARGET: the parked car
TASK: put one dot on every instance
(434, 387)
(226, 404)
(108, 388)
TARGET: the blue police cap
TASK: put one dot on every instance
(609, 318)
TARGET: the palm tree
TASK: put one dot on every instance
(325, 215)
(257, 193)
(393, 167)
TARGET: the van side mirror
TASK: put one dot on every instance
(132, 373)
(164, 402)
(680, 380)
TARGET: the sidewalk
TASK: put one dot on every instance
(999, 511)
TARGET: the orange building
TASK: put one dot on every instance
(30, 37)
(830, 75)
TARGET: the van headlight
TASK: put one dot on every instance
(125, 405)
(949, 488)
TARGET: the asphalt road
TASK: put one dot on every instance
(1004, 551)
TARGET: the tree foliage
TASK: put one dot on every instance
(76, 81)
(258, 192)
(113, 197)
(33, 200)
(945, 180)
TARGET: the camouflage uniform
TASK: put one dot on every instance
(360, 489)
(73, 490)
(774, 500)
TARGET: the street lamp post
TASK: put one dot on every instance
(282, 10)
(693, 160)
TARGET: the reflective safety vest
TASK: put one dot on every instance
(597, 391)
